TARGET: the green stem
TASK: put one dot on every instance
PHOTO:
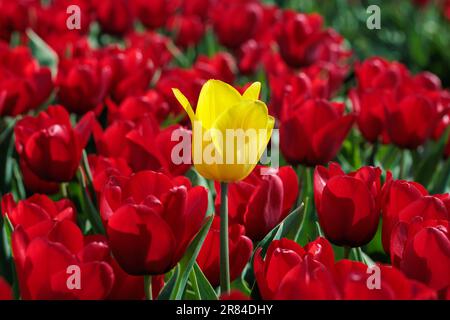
(402, 165)
(347, 250)
(64, 190)
(148, 287)
(224, 256)
(373, 153)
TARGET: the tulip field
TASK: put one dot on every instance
(224, 150)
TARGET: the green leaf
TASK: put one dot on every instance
(170, 285)
(282, 229)
(88, 206)
(42, 52)
(205, 289)
(187, 262)
(427, 167)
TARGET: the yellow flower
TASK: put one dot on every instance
(230, 130)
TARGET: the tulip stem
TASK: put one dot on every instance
(148, 287)
(402, 165)
(347, 250)
(224, 256)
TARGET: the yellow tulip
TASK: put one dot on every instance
(230, 130)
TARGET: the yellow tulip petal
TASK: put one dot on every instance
(215, 97)
(253, 121)
(184, 103)
(252, 92)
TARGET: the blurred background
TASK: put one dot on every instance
(415, 32)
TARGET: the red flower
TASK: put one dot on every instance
(103, 169)
(154, 47)
(49, 146)
(45, 257)
(14, 16)
(411, 120)
(312, 132)
(126, 286)
(290, 272)
(187, 30)
(24, 85)
(37, 211)
(287, 89)
(302, 41)
(151, 220)
(261, 201)
(240, 248)
(115, 17)
(393, 105)
(402, 201)
(421, 249)
(347, 204)
(369, 108)
(378, 73)
(131, 71)
(352, 278)
(154, 14)
(134, 108)
(83, 84)
(236, 21)
(143, 145)
(221, 66)
(5, 290)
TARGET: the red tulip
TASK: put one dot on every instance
(402, 201)
(15, 16)
(393, 105)
(187, 81)
(312, 132)
(352, 277)
(49, 146)
(35, 184)
(103, 169)
(37, 211)
(289, 272)
(221, 66)
(303, 42)
(150, 228)
(43, 259)
(131, 71)
(260, 202)
(115, 17)
(143, 145)
(347, 204)
(134, 108)
(154, 46)
(421, 249)
(126, 286)
(5, 290)
(187, 30)
(378, 73)
(83, 84)
(154, 14)
(236, 21)
(240, 248)
(24, 85)
(289, 89)
(196, 7)
(369, 108)
(411, 120)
